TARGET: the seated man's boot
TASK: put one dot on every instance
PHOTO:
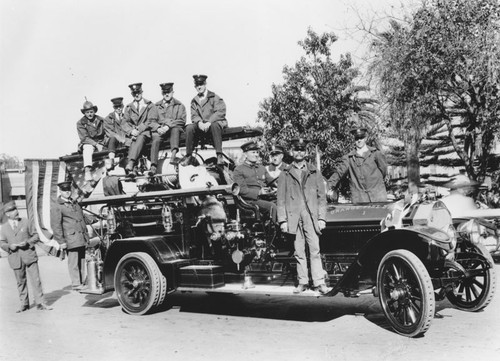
(187, 160)
(220, 159)
(129, 169)
(152, 169)
(172, 156)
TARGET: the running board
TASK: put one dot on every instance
(237, 289)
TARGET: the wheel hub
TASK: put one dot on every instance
(400, 291)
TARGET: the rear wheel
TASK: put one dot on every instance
(406, 293)
(474, 292)
(140, 286)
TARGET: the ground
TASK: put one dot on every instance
(226, 327)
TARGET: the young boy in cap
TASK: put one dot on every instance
(139, 117)
(18, 238)
(302, 212)
(113, 125)
(367, 168)
(93, 137)
(252, 179)
(69, 228)
(208, 117)
(171, 120)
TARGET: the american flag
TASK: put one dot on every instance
(41, 179)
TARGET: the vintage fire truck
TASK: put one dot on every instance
(167, 237)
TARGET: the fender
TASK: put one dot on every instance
(165, 249)
(425, 242)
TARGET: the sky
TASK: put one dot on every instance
(56, 53)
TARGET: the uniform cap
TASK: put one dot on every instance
(135, 88)
(251, 145)
(166, 87)
(276, 149)
(299, 143)
(200, 79)
(64, 186)
(88, 106)
(117, 102)
(359, 133)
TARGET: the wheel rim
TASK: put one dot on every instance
(402, 297)
(134, 286)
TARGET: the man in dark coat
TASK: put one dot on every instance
(93, 137)
(208, 117)
(139, 117)
(68, 224)
(18, 238)
(171, 120)
(252, 179)
(114, 127)
(367, 168)
(302, 212)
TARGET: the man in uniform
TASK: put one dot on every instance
(69, 228)
(93, 137)
(139, 117)
(208, 117)
(367, 168)
(171, 120)
(276, 165)
(252, 179)
(18, 238)
(113, 125)
(302, 212)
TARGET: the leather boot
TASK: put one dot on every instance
(172, 156)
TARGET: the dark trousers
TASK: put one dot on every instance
(22, 286)
(175, 134)
(136, 147)
(267, 209)
(194, 134)
(76, 266)
(112, 144)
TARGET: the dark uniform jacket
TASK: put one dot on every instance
(24, 232)
(366, 175)
(90, 133)
(251, 178)
(143, 120)
(68, 223)
(114, 128)
(211, 109)
(296, 192)
(173, 114)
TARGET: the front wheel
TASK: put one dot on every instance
(406, 293)
(140, 286)
(475, 290)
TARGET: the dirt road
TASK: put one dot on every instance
(225, 327)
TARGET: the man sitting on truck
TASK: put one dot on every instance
(252, 178)
(93, 137)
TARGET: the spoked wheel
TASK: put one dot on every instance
(474, 292)
(140, 286)
(406, 293)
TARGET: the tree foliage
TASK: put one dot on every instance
(439, 71)
(318, 100)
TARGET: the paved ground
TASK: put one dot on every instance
(224, 327)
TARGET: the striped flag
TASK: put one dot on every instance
(41, 179)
